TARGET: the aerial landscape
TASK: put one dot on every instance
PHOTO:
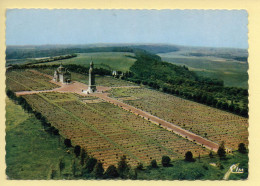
(79, 108)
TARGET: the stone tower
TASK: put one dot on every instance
(91, 85)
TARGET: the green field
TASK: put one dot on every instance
(32, 153)
(108, 60)
(198, 170)
(232, 72)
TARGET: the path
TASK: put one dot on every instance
(77, 87)
(226, 176)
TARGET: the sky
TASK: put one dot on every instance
(212, 28)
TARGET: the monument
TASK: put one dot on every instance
(91, 85)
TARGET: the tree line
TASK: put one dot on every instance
(71, 67)
(35, 52)
(51, 59)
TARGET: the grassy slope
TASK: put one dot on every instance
(108, 60)
(31, 153)
(200, 169)
(232, 72)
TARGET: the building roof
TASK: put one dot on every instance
(61, 68)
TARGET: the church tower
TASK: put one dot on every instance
(91, 85)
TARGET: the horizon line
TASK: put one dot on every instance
(169, 44)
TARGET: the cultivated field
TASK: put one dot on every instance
(208, 122)
(108, 132)
(232, 72)
(107, 60)
(21, 80)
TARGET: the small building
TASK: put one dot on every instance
(62, 75)
(114, 73)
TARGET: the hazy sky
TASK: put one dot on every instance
(215, 28)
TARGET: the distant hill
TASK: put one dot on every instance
(31, 51)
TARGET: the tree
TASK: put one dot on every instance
(211, 154)
(244, 112)
(61, 165)
(231, 107)
(67, 142)
(221, 150)
(99, 170)
(225, 106)
(140, 166)
(77, 150)
(132, 174)
(111, 172)
(55, 131)
(73, 167)
(166, 161)
(237, 109)
(83, 156)
(154, 164)
(189, 156)
(242, 148)
(219, 104)
(91, 164)
(123, 168)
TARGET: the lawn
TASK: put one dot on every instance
(108, 60)
(201, 169)
(32, 153)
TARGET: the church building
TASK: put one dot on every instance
(62, 75)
